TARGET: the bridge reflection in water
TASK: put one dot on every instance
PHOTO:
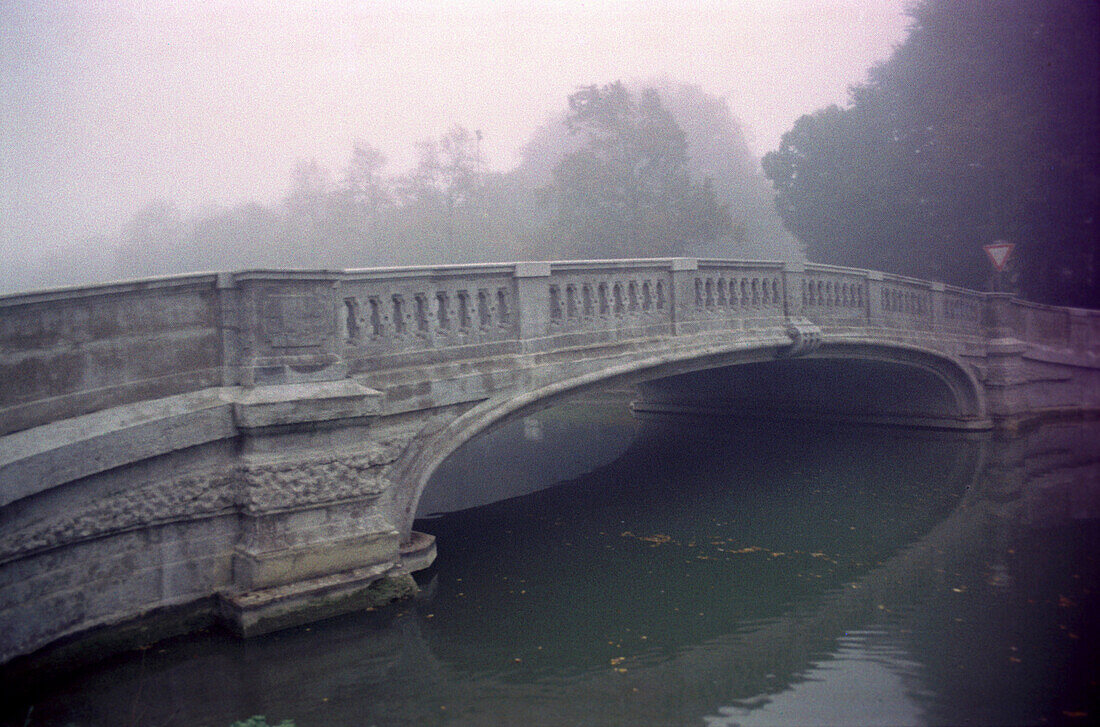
(713, 573)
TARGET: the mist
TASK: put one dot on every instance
(112, 112)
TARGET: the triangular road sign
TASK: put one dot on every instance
(999, 252)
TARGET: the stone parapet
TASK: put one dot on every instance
(261, 438)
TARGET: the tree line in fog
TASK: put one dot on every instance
(982, 126)
(620, 172)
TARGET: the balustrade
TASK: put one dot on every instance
(68, 352)
(737, 294)
(420, 311)
(834, 296)
(962, 311)
(620, 298)
(1043, 324)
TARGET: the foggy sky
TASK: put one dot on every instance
(106, 106)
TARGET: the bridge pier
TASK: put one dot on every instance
(316, 537)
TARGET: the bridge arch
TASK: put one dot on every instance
(951, 396)
(283, 424)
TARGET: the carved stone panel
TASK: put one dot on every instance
(296, 321)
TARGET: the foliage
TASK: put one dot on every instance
(983, 125)
(657, 171)
(627, 191)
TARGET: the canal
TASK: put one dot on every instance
(600, 569)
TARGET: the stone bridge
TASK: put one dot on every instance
(251, 447)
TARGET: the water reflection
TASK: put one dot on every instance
(869, 680)
(710, 575)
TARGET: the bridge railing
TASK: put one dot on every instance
(831, 295)
(1051, 326)
(961, 311)
(736, 294)
(834, 296)
(68, 352)
(365, 320)
(72, 351)
(603, 300)
(905, 303)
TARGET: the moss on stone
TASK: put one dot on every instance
(378, 593)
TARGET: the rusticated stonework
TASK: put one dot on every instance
(181, 499)
(296, 483)
(251, 488)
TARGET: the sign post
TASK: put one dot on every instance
(999, 252)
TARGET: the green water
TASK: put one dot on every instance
(697, 573)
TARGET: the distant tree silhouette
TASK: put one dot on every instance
(627, 190)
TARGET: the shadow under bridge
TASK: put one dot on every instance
(837, 382)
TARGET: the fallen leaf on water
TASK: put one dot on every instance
(749, 549)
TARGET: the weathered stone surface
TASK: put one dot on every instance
(252, 488)
(185, 498)
(260, 612)
(263, 437)
(268, 406)
(288, 565)
(264, 487)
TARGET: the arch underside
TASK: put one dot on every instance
(859, 384)
(844, 382)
